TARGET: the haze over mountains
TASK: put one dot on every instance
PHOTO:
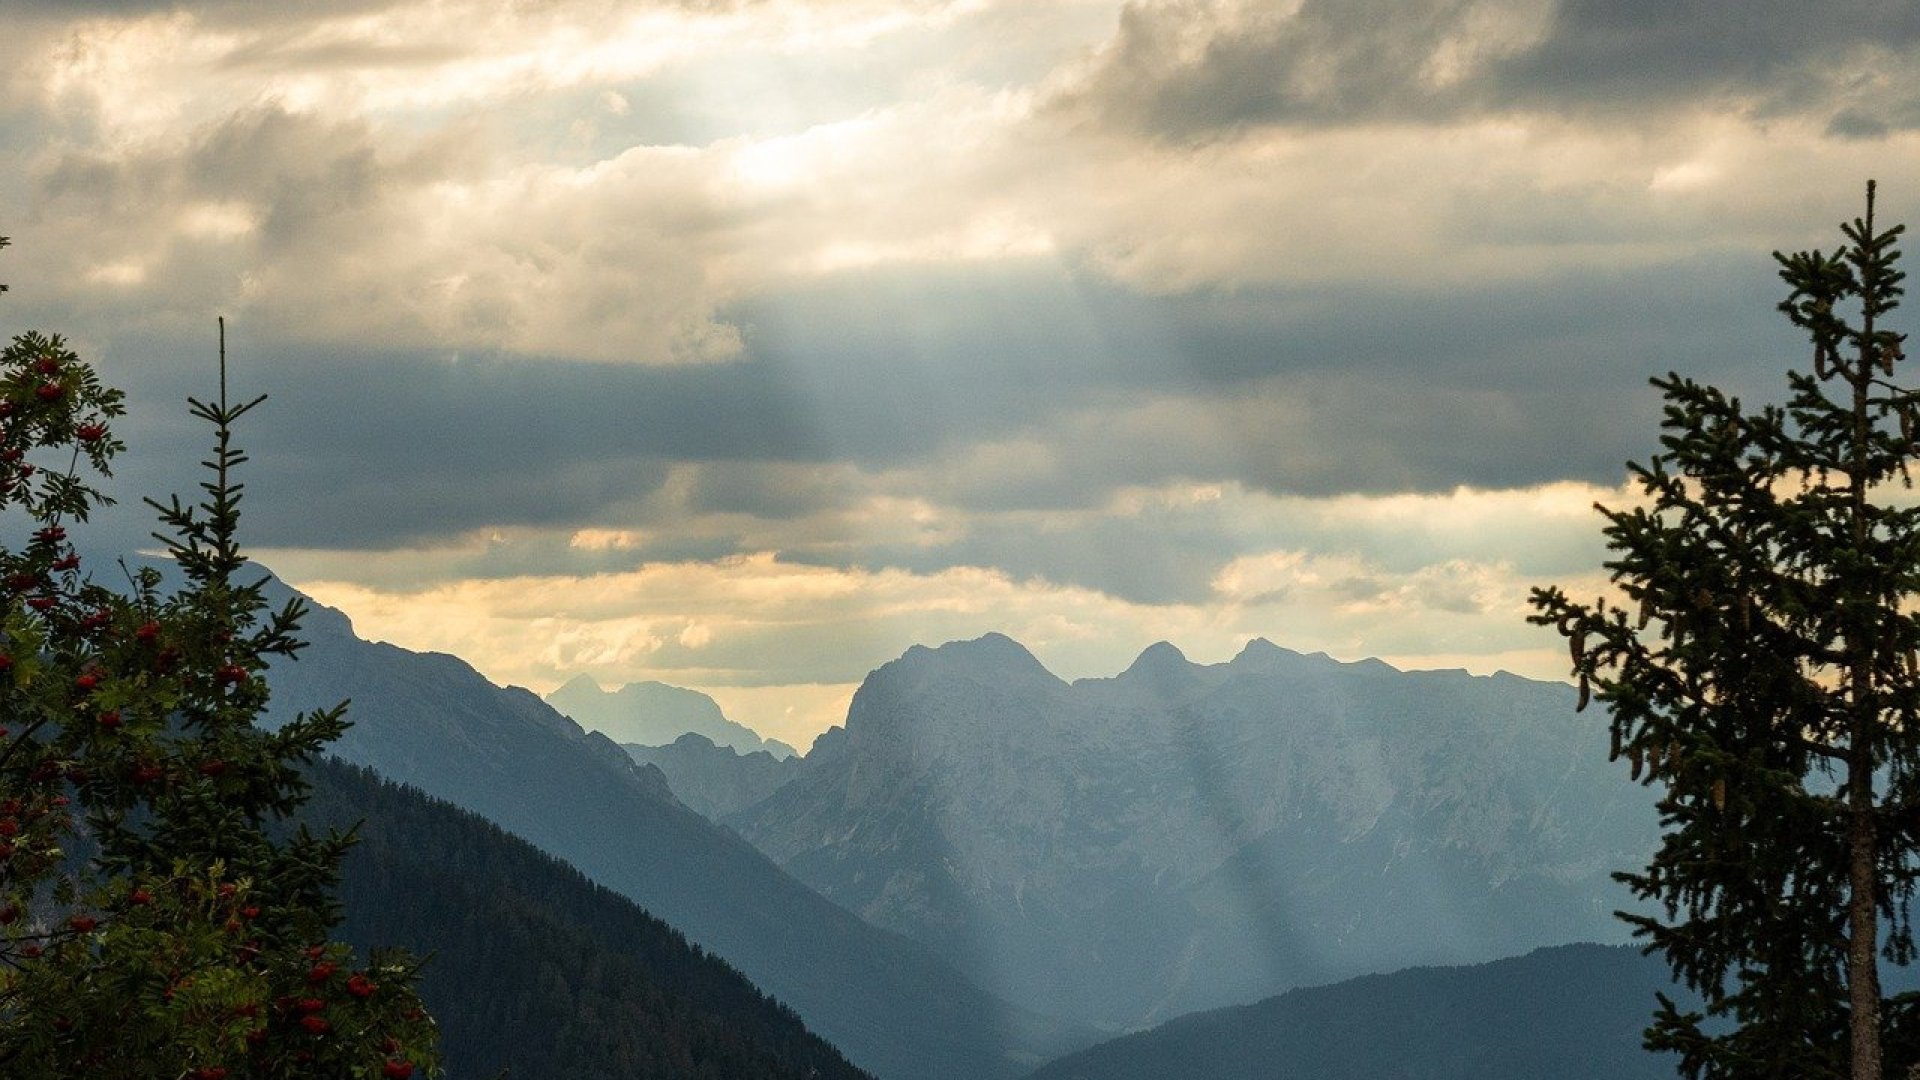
(715, 780)
(655, 714)
(431, 721)
(1181, 836)
(1111, 853)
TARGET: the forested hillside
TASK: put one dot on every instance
(1569, 1013)
(535, 970)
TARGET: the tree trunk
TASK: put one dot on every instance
(1863, 967)
(1863, 909)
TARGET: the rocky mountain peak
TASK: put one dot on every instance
(993, 657)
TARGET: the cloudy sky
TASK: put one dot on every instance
(743, 343)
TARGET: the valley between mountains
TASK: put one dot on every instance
(988, 869)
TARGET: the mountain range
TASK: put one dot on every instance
(432, 722)
(655, 714)
(1184, 836)
(715, 780)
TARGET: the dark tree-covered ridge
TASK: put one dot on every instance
(537, 970)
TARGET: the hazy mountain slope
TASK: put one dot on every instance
(1574, 1012)
(655, 714)
(715, 780)
(433, 722)
(536, 970)
(1179, 837)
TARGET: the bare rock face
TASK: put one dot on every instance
(1182, 836)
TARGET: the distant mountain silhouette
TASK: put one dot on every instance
(1575, 1012)
(1183, 836)
(715, 780)
(431, 721)
(535, 970)
(655, 714)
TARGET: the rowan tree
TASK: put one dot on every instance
(152, 925)
(1760, 670)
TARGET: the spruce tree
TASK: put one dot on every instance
(155, 923)
(1760, 662)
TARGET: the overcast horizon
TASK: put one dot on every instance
(742, 344)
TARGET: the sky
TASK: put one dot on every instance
(742, 344)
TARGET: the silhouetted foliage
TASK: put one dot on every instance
(1763, 670)
(151, 926)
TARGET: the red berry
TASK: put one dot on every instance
(214, 767)
(360, 986)
(140, 896)
(210, 1072)
(47, 365)
(228, 888)
(147, 631)
(315, 952)
(316, 1025)
(87, 681)
(41, 603)
(397, 1070)
(83, 923)
(321, 972)
(9, 913)
(91, 432)
(231, 675)
(110, 719)
(70, 562)
(50, 391)
(6, 662)
(250, 912)
(310, 1005)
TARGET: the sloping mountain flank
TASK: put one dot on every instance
(533, 970)
(1574, 1012)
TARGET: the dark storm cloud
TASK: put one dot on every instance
(913, 384)
(1189, 70)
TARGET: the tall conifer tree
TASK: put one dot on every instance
(1761, 665)
(153, 924)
